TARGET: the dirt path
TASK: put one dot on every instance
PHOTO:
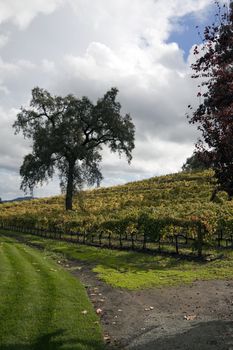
(156, 318)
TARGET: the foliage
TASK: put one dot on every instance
(197, 162)
(68, 134)
(214, 66)
(157, 207)
(41, 304)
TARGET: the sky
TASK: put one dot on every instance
(85, 47)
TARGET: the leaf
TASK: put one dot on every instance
(190, 317)
(107, 338)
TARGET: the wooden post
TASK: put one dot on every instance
(132, 240)
(177, 247)
(159, 244)
(199, 240)
(100, 238)
(144, 241)
(120, 239)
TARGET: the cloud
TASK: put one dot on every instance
(101, 44)
(12, 147)
(22, 12)
(153, 157)
(3, 40)
(149, 19)
(10, 186)
(155, 92)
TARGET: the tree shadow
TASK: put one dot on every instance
(213, 335)
(54, 341)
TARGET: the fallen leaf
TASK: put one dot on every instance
(190, 317)
(107, 338)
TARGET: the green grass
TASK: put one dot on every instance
(133, 270)
(41, 304)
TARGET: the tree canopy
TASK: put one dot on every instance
(214, 116)
(68, 134)
(198, 161)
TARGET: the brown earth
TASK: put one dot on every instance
(188, 317)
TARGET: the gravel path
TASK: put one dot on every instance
(191, 317)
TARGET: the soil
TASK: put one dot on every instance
(198, 316)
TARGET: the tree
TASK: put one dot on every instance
(68, 134)
(198, 161)
(214, 116)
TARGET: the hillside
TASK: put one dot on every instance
(184, 196)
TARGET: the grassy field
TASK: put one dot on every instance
(41, 305)
(134, 270)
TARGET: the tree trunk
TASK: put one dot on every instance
(214, 194)
(70, 187)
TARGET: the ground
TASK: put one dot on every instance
(157, 318)
(191, 316)
(42, 307)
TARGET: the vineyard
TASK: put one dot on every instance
(171, 213)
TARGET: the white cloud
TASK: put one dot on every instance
(149, 16)
(48, 66)
(151, 158)
(156, 91)
(22, 12)
(3, 40)
(118, 44)
(12, 147)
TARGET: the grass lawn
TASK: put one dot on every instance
(41, 304)
(133, 270)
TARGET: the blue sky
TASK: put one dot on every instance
(187, 33)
